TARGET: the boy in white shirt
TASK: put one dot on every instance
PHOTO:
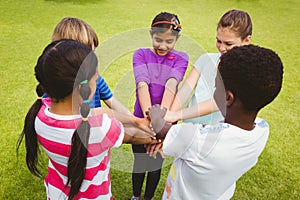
(210, 159)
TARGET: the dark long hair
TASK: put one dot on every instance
(63, 66)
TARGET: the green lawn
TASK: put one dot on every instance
(26, 28)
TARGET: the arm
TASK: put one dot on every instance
(136, 136)
(115, 104)
(204, 108)
(127, 120)
(186, 90)
(169, 93)
(144, 96)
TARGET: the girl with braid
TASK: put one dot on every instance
(77, 139)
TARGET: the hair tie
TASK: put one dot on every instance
(175, 24)
(39, 98)
(86, 101)
(84, 82)
(84, 119)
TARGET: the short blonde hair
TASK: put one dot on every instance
(75, 29)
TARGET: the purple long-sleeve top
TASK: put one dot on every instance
(156, 71)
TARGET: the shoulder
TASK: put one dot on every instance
(141, 55)
(208, 57)
(261, 123)
(142, 51)
(179, 54)
(183, 132)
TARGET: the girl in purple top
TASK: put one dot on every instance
(157, 72)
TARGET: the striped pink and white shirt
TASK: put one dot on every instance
(55, 133)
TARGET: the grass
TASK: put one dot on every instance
(26, 28)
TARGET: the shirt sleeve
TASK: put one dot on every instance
(105, 92)
(140, 67)
(180, 66)
(207, 60)
(179, 138)
(102, 93)
(115, 132)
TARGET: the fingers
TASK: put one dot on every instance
(153, 149)
(163, 111)
(161, 153)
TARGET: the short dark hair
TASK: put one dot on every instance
(254, 75)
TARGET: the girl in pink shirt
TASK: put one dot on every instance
(77, 139)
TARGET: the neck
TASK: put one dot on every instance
(66, 106)
(242, 119)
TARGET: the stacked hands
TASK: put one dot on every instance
(159, 125)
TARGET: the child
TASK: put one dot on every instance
(233, 29)
(77, 29)
(157, 73)
(76, 139)
(210, 159)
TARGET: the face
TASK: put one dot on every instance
(163, 43)
(227, 39)
(220, 94)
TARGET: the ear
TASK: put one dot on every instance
(247, 40)
(151, 32)
(229, 98)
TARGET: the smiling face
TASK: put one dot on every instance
(226, 39)
(163, 43)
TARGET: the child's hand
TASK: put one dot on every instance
(138, 132)
(172, 116)
(143, 124)
(153, 149)
(156, 115)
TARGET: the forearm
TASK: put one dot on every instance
(186, 90)
(144, 97)
(198, 110)
(128, 139)
(116, 105)
(123, 118)
(163, 132)
(169, 93)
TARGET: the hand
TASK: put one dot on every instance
(156, 115)
(153, 149)
(137, 132)
(172, 116)
(143, 124)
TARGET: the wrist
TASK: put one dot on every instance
(163, 132)
(178, 115)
